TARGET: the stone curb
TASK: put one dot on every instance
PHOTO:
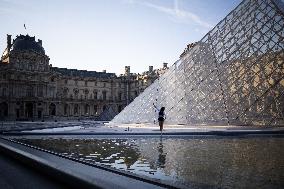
(71, 178)
(42, 165)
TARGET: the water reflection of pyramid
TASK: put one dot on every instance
(234, 74)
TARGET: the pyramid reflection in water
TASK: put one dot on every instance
(233, 75)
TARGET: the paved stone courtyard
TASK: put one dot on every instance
(106, 127)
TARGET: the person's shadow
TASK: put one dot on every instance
(161, 155)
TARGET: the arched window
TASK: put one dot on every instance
(95, 95)
(86, 92)
(66, 108)
(3, 109)
(76, 109)
(52, 109)
(76, 92)
(119, 108)
(4, 91)
(65, 92)
(29, 110)
(87, 109)
(95, 109)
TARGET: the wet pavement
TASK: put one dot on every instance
(93, 127)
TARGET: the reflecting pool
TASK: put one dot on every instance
(196, 162)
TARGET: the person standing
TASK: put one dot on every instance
(161, 118)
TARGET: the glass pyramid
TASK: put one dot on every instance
(233, 75)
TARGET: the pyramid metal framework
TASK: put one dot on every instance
(233, 75)
(107, 115)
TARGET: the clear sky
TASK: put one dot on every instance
(110, 34)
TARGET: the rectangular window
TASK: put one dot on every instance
(119, 96)
(40, 91)
(4, 92)
(104, 95)
(29, 91)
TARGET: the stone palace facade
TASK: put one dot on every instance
(32, 89)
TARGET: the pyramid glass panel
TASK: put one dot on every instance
(233, 75)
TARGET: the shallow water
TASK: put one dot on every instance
(198, 162)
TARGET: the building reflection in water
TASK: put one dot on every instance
(246, 162)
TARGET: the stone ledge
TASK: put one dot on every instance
(73, 174)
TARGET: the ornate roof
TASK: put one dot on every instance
(82, 73)
(25, 42)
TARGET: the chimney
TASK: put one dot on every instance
(127, 70)
(104, 71)
(165, 65)
(9, 42)
(39, 42)
(150, 68)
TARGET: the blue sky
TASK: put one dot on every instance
(111, 34)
